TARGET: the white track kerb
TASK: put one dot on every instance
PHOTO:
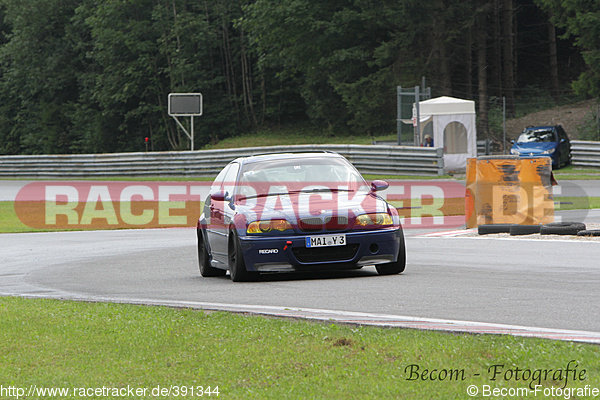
(368, 319)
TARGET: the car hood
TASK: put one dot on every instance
(534, 147)
(295, 207)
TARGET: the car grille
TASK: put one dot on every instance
(318, 224)
(310, 224)
(325, 254)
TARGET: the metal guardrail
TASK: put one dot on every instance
(585, 154)
(381, 160)
(484, 147)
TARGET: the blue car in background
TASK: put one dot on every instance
(296, 212)
(549, 141)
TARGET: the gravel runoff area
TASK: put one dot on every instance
(591, 226)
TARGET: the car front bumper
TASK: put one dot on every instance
(289, 253)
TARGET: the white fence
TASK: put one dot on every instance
(381, 160)
(585, 154)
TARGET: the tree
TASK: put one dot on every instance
(348, 56)
(482, 75)
(581, 20)
(38, 79)
(89, 76)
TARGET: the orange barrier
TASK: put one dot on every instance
(509, 191)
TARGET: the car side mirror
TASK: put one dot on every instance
(563, 141)
(378, 185)
(219, 196)
(512, 142)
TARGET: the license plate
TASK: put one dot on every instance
(326, 241)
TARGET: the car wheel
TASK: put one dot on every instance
(394, 267)
(562, 228)
(204, 261)
(237, 266)
(562, 162)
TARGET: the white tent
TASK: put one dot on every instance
(451, 124)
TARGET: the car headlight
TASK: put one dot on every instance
(266, 226)
(515, 152)
(377, 219)
(551, 151)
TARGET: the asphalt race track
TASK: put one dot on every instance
(550, 284)
(516, 281)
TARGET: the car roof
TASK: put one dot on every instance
(286, 156)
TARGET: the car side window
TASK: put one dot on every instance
(230, 177)
(562, 134)
(218, 182)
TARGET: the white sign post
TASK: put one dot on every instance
(185, 105)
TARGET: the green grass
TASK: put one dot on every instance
(297, 135)
(577, 173)
(577, 203)
(50, 343)
(184, 216)
(370, 177)
(9, 222)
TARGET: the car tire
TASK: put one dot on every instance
(237, 266)
(518, 230)
(487, 229)
(399, 265)
(589, 233)
(562, 228)
(561, 161)
(204, 260)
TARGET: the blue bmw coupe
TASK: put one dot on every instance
(296, 212)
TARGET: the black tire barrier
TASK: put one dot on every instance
(589, 233)
(516, 230)
(493, 228)
(562, 228)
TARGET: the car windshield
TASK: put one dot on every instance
(534, 136)
(299, 175)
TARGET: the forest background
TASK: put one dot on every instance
(87, 76)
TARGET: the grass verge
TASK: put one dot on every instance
(573, 173)
(31, 216)
(11, 223)
(577, 203)
(63, 344)
(296, 135)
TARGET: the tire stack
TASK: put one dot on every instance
(554, 228)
